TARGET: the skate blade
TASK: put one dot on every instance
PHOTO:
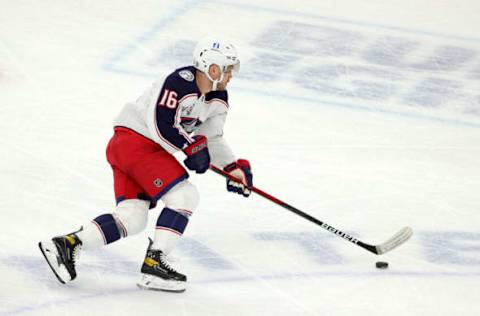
(50, 252)
(150, 282)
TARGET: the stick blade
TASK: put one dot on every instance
(398, 239)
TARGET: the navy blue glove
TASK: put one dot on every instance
(241, 170)
(198, 157)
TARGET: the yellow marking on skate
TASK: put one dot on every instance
(150, 262)
(70, 239)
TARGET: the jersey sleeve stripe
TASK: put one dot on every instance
(191, 95)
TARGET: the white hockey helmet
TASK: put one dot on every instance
(215, 52)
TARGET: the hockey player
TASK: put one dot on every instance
(186, 112)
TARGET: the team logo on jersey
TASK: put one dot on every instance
(187, 110)
(187, 75)
(189, 124)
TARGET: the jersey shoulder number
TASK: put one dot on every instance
(176, 86)
(169, 99)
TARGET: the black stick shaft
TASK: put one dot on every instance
(300, 213)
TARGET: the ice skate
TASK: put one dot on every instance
(61, 253)
(158, 274)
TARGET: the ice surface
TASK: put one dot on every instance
(365, 115)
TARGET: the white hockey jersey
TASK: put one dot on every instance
(173, 110)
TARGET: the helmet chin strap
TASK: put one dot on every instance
(214, 82)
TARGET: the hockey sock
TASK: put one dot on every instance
(170, 227)
(103, 230)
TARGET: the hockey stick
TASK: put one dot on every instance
(398, 239)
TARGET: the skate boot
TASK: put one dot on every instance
(158, 274)
(61, 252)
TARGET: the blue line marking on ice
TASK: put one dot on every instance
(68, 301)
(347, 21)
(203, 255)
(112, 63)
(324, 254)
(366, 108)
(458, 250)
(383, 273)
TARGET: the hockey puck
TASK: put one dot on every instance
(381, 264)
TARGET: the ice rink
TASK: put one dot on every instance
(364, 114)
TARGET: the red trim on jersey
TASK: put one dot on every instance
(191, 95)
(169, 229)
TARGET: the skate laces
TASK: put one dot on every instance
(166, 263)
(76, 253)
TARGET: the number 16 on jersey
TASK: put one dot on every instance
(169, 99)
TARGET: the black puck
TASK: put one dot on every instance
(381, 264)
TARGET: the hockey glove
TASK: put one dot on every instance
(198, 158)
(241, 170)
